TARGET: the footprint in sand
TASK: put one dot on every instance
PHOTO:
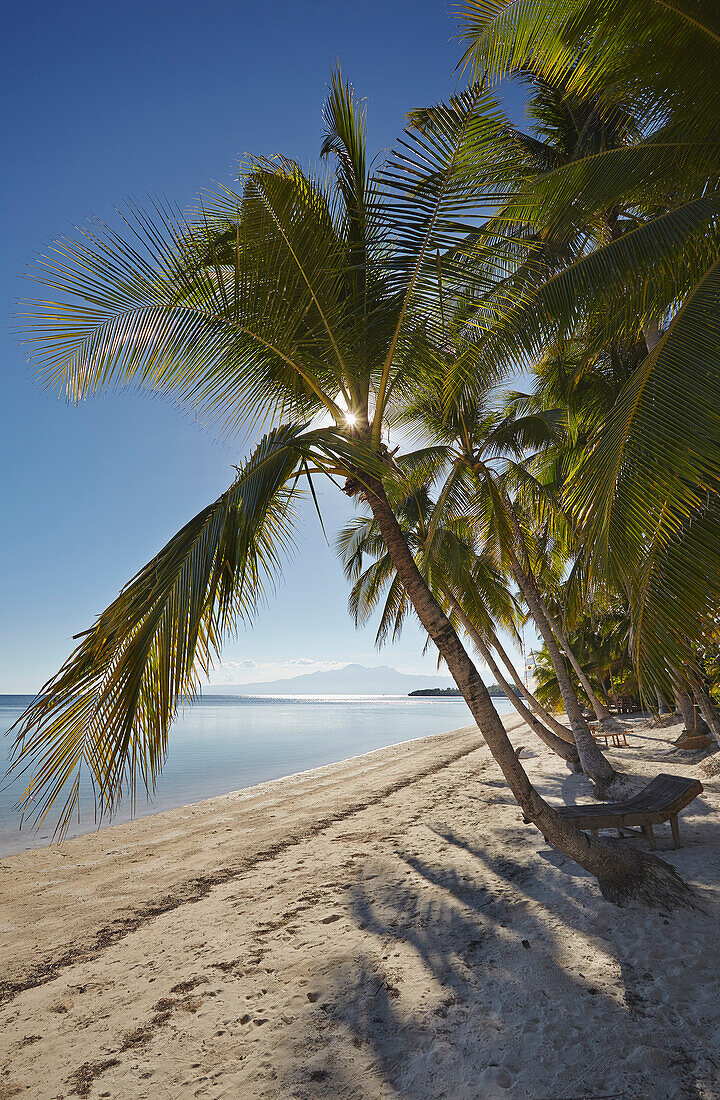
(495, 1082)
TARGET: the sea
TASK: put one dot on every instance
(226, 743)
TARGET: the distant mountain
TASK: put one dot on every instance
(351, 680)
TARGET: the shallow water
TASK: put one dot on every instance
(223, 744)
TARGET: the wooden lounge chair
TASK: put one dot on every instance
(661, 800)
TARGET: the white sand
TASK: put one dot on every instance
(383, 927)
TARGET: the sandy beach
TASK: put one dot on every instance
(382, 927)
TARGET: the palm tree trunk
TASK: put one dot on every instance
(686, 708)
(652, 334)
(663, 708)
(594, 764)
(677, 713)
(601, 711)
(708, 711)
(533, 702)
(566, 751)
(622, 872)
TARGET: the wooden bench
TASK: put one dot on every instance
(661, 800)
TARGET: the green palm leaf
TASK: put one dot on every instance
(109, 709)
(652, 479)
(428, 183)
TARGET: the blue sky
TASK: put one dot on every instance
(102, 102)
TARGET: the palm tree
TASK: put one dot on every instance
(545, 716)
(582, 382)
(468, 586)
(295, 299)
(518, 255)
(569, 127)
(600, 639)
(647, 500)
(486, 450)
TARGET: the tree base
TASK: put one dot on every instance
(612, 789)
(691, 742)
(660, 721)
(645, 880)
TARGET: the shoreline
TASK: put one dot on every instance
(382, 926)
(254, 788)
(173, 847)
(181, 784)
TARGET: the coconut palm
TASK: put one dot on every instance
(569, 127)
(467, 584)
(520, 254)
(647, 499)
(581, 383)
(600, 639)
(296, 298)
(489, 451)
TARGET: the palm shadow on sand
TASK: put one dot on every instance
(468, 994)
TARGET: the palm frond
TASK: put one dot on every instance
(109, 708)
(428, 183)
(653, 473)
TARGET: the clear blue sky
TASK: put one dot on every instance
(102, 102)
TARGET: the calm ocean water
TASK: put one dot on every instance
(223, 744)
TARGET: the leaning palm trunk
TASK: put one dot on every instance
(594, 764)
(623, 873)
(602, 712)
(652, 333)
(708, 711)
(548, 719)
(662, 706)
(685, 707)
(565, 750)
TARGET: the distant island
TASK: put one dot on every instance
(445, 693)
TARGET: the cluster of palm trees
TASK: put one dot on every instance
(366, 320)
